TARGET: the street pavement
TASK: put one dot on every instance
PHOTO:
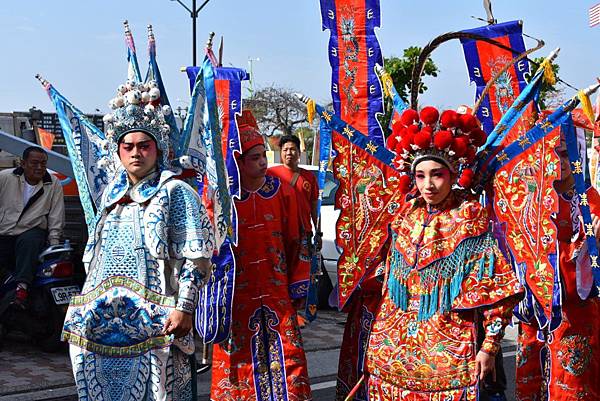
(27, 374)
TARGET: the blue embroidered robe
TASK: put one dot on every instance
(142, 263)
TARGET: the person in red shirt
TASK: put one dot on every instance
(307, 191)
(303, 181)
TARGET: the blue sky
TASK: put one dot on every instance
(79, 46)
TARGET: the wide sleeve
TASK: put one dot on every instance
(191, 277)
(56, 215)
(298, 265)
(495, 319)
(191, 234)
(191, 238)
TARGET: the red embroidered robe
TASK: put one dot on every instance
(445, 272)
(564, 365)
(263, 358)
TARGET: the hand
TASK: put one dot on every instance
(178, 323)
(484, 365)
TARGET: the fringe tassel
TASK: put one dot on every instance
(481, 268)
(387, 83)
(492, 264)
(311, 110)
(549, 76)
(441, 289)
(586, 105)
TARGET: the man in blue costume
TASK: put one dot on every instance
(130, 329)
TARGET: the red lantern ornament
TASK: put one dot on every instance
(409, 117)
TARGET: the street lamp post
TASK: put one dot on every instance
(194, 14)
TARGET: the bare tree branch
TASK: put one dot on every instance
(277, 110)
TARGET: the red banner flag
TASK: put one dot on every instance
(45, 138)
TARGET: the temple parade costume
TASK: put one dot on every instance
(563, 364)
(445, 272)
(148, 252)
(263, 357)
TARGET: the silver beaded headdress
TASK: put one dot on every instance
(137, 107)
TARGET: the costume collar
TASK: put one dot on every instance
(437, 234)
(145, 189)
(266, 191)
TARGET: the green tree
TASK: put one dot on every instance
(551, 96)
(400, 70)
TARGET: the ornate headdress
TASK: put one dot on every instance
(250, 136)
(137, 107)
(450, 138)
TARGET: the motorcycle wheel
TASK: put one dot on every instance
(49, 338)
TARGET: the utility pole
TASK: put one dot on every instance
(251, 64)
(194, 14)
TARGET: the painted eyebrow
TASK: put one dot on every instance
(435, 170)
(136, 143)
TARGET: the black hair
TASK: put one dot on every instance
(30, 149)
(289, 138)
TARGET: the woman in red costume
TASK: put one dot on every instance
(444, 271)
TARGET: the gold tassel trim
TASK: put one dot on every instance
(311, 110)
(549, 76)
(586, 105)
(387, 84)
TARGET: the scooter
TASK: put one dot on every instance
(49, 295)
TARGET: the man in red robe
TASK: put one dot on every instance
(564, 364)
(263, 358)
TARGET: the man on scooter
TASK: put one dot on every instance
(32, 214)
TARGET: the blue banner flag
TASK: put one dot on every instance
(484, 60)
(354, 52)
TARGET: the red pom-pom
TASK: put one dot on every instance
(460, 146)
(407, 140)
(397, 127)
(466, 178)
(442, 139)
(392, 141)
(449, 119)
(413, 129)
(399, 149)
(428, 130)
(470, 155)
(429, 115)
(409, 117)
(478, 137)
(467, 122)
(404, 182)
(423, 140)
